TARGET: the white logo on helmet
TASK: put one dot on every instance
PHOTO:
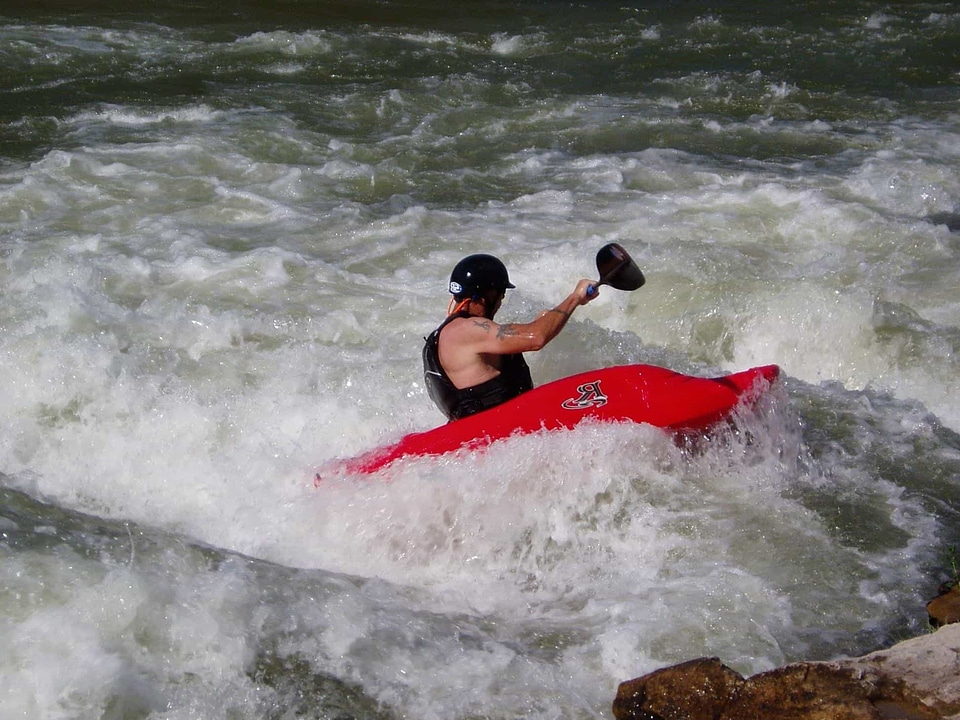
(455, 287)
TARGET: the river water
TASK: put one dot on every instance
(225, 229)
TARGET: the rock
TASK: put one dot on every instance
(926, 668)
(804, 691)
(918, 679)
(701, 687)
(706, 689)
(945, 608)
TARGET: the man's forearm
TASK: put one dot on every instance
(557, 317)
(546, 327)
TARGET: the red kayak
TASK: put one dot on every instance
(634, 393)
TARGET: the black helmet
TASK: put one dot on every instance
(476, 274)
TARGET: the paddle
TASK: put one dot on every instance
(617, 269)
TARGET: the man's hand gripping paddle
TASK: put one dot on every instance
(617, 269)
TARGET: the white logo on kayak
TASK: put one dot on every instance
(590, 396)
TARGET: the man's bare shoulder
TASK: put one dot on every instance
(484, 335)
(471, 326)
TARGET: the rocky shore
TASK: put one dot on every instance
(918, 679)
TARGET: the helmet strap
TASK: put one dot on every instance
(456, 306)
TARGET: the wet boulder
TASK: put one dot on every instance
(945, 608)
(918, 679)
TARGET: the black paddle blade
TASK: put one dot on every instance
(617, 269)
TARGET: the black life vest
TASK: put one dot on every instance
(456, 403)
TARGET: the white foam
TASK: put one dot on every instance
(878, 20)
(303, 44)
(125, 115)
(508, 44)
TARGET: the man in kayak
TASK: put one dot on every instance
(470, 363)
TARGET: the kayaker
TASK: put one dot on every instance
(470, 363)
